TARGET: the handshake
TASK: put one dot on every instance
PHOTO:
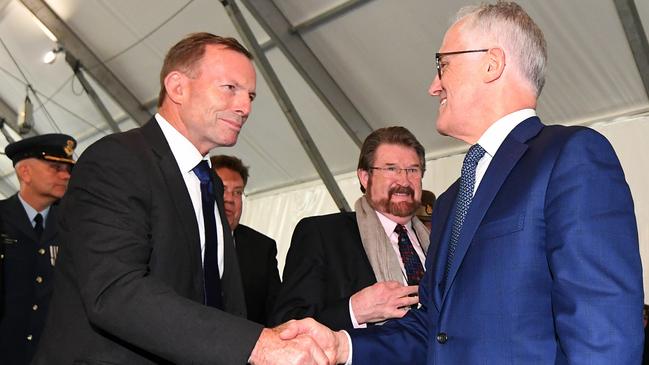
(309, 342)
(302, 341)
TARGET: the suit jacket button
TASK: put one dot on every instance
(442, 337)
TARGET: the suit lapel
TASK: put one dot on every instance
(177, 191)
(20, 221)
(50, 226)
(233, 296)
(510, 151)
(441, 218)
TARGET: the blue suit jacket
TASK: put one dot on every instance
(547, 268)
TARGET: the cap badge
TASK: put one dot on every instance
(69, 147)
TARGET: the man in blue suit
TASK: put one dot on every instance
(537, 259)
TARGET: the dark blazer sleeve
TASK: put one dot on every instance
(326, 264)
(135, 270)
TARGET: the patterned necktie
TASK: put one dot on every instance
(213, 293)
(464, 197)
(411, 262)
(38, 226)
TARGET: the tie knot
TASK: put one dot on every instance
(474, 155)
(400, 229)
(202, 171)
(38, 219)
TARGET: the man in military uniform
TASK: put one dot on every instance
(29, 240)
(425, 210)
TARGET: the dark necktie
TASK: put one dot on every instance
(213, 294)
(411, 262)
(464, 197)
(38, 226)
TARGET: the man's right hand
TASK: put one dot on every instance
(383, 300)
(270, 349)
(334, 344)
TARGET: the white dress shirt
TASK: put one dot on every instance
(494, 136)
(187, 157)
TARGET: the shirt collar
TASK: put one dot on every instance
(31, 212)
(185, 153)
(494, 136)
(389, 225)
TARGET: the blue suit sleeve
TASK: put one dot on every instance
(593, 255)
(398, 341)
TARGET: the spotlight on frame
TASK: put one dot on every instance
(51, 55)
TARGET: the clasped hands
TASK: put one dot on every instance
(309, 342)
(303, 342)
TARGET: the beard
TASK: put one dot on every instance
(386, 205)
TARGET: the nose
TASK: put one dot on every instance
(435, 87)
(228, 197)
(65, 174)
(403, 178)
(243, 104)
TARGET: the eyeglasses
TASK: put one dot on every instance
(393, 171)
(438, 58)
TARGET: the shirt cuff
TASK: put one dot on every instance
(349, 347)
(353, 317)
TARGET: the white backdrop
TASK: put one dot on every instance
(276, 213)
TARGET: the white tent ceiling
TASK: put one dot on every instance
(380, 53)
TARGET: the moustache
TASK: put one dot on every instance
(401, 190)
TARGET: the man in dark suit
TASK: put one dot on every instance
(30, 242)
(256, 252)
(538, 259)
(351, 269)
(148, 273)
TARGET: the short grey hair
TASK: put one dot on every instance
(512, 27)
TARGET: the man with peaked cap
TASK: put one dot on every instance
(29, 240)
(425, 210)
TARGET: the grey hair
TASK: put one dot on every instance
(513, 28)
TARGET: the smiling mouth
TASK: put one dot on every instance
(401, 192)
(232, 123)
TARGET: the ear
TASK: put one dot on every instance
(495, 65)
(363, 177)
(176, 86)
(23, 172)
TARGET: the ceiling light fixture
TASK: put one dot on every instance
(50, 56)
(26, 116)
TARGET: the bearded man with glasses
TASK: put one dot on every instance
(354, 269)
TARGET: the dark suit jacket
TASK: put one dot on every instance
(326, 264)
(27, 298)
(257, 256)
(129, 282)
(547, 267)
